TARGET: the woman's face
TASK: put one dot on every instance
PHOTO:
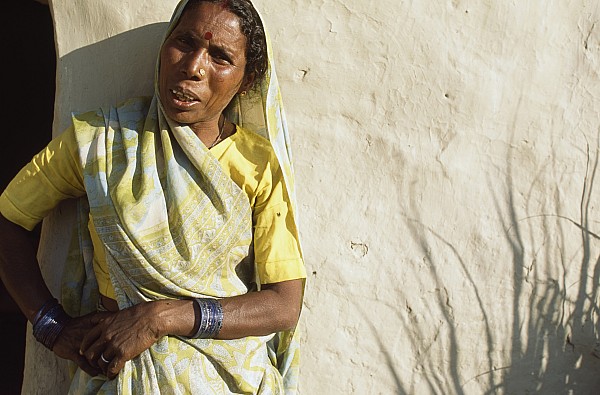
(208, 37)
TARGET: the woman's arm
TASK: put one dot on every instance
(275, 308)
(123, 335)
(22, 278)
(19, 269)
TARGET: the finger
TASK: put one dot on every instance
(104, 361)
(114, 368)
(114, 365)
(89, 339)
(98, 317)
(86, 367)
(94, 355)
(94, 352)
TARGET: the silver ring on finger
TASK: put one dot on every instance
(103, 358)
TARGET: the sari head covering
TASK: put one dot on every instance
(174, 225)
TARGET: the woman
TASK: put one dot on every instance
(198, 276)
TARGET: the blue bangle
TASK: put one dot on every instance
(43, 310)
(49, 324)
(210, 320)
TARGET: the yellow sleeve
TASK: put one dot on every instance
(276, 243)
(54, 174)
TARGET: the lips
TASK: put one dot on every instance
(182, 96)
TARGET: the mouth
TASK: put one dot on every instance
(183, 97)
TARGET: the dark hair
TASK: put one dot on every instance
(252, 29)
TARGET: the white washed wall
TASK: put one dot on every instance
(447, 157)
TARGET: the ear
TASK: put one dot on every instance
(247, 82)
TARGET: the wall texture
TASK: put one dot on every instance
(447, 157)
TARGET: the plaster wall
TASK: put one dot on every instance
(446, 155)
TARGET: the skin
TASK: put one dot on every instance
(122, 335)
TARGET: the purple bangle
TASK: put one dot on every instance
(43, 310)
(48, 326)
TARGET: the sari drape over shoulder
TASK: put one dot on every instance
(174, 225)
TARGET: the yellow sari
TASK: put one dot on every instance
(174, 225)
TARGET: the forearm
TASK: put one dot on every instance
(273, 309)
(19, 269)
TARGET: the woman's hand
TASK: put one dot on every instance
(118, 337)
(68, 343)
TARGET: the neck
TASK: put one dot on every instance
(210, 132)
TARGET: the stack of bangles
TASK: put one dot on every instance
(209, 318)
(48, 322)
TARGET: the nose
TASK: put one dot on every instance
(195, 64)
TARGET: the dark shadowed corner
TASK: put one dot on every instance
(29, 82)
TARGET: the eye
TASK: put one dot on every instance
(219, 56)
(183, 41)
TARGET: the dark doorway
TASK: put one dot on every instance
(29, 63)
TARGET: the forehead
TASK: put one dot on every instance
(205, 17)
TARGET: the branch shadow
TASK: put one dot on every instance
(553, 338)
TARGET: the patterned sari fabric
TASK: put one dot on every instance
(174, 225)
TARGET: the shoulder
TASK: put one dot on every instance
(90, 124)
(251, 163)
(255, 148)
(135, 105)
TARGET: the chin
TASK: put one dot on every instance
(177, 115)
(186, 119)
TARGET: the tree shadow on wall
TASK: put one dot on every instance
(562, 325)
(440, 381)
(554, 332)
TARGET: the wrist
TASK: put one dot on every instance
(173, 317)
